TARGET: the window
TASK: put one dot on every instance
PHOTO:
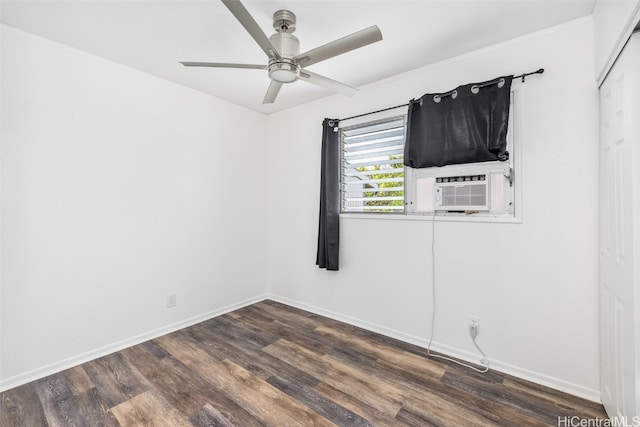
(372, 168)
(374, 179)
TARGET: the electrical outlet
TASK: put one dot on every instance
(171, 300)
(474, 326)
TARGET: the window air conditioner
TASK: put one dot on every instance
(462, 193)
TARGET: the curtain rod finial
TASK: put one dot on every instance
(523, 76)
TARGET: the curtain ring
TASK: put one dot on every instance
(330, 122)
(421, 102)
(501, 83)
(475, 89)
(454, 94)
(437, 99)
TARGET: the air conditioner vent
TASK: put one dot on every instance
(465, 178)
(462, 193)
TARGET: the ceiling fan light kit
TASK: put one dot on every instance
(286, 63)
(283, 71)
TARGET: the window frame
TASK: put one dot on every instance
(360, 125)
(515, 148)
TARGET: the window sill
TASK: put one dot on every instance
(502, 219)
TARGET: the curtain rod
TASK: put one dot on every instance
(522, 76)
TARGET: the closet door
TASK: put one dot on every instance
(620, 235)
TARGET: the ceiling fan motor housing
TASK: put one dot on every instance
(288, 45)
(284, 70)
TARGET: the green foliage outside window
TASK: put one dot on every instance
(380, 172)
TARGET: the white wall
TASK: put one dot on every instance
(118, 188)
(614, 21)
(533, 284)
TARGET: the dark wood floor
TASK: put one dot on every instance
(270, 364)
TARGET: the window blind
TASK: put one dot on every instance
(372, 167)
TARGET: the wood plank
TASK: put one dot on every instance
(209, 416)
(251, 338)
(412, 419)
(115, 379)
(439, 411)
(316, 401)
(21, 407)
(392, 356)
(149, 409)
(434, 402)
(291, 315)
(58, 402)
(169, 377)
(264, 401)
(410, 369)
(426, 391)
(348, 379)
(251, 359)
(209, 341)
(566, 403)
(182, 387)
(94, 410)
(78, 380)
(252, 316)
(178, 385)
(370, 413)
(261, 399)
(535, 412)
(290, 332)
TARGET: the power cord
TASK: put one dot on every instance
(473, 332)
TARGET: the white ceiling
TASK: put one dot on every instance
(153, 35)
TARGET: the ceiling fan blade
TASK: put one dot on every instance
(272, 92)
(223, 65)
(327, 83)
(252, 27)
(340, 46)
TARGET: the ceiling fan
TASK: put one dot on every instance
(286, 63)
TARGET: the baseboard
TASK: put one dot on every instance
(542, 379)
(52, 368)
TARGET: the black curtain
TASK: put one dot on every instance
(329, 224)
(466, 125)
